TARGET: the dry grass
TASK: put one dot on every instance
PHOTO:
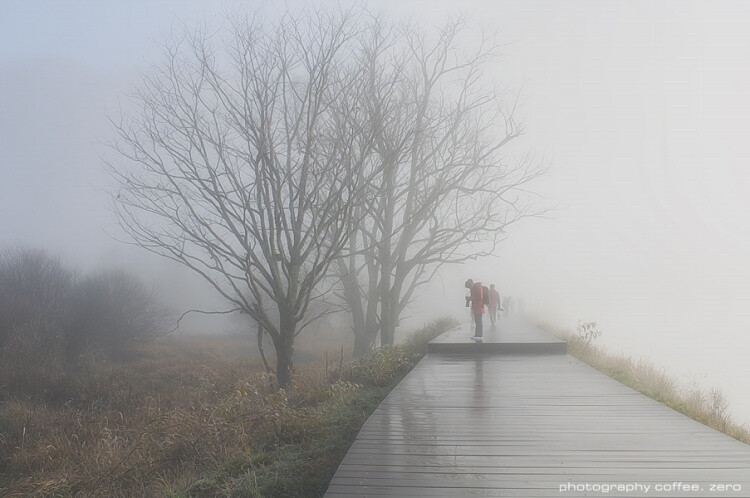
(109, 429)
(709, 408)
(173, 408)
(181, 408)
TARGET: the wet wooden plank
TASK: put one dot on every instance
(508, 336)
(503, 482)
(540, 492)
(533, 473)
(522, 425)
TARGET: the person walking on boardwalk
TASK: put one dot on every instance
(507, 305)
(476, 300)
(494, 303)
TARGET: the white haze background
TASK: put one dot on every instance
(640, 108)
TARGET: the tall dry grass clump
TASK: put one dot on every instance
(707, 407)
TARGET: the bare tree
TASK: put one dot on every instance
(48, 310)
(236, 163)
(110, 309)
(35, 291)
(446, 189)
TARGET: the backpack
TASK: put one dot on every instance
(485, 295)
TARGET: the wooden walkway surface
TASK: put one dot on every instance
(537, 425)
(509, 337)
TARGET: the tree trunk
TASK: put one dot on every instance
(363, 334)
(353, 298)
(367, 333)
(385, 256)
(394, 304)
(284, 363)
(362, 343)
(386, 335)
(390, 325)
(386, 267)
(260, 348)
(285, 351)
(389, 314)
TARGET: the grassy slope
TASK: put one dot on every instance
(709, 408)
(181, 419)
(301, 452)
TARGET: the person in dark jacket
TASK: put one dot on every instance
(476, 300)
(507, 304)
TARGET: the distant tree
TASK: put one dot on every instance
(236, 163)
(446, 187)
(110, 309)
(35, 291)
(48, 310)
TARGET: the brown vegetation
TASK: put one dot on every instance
(180, 417)
(116, 427)
(709, 408)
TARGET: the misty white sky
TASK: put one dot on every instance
(640, 108)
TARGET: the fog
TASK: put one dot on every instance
(639, 109)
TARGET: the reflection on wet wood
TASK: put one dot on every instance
(507, 336)
(470, 424)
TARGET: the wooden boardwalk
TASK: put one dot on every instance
(508, 337)
(538, 425)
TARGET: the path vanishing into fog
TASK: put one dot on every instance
(517, 416)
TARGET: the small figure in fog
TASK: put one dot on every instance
(494, 304)
(476, 304)
(507, 305)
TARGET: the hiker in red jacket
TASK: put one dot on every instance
(476, 299)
